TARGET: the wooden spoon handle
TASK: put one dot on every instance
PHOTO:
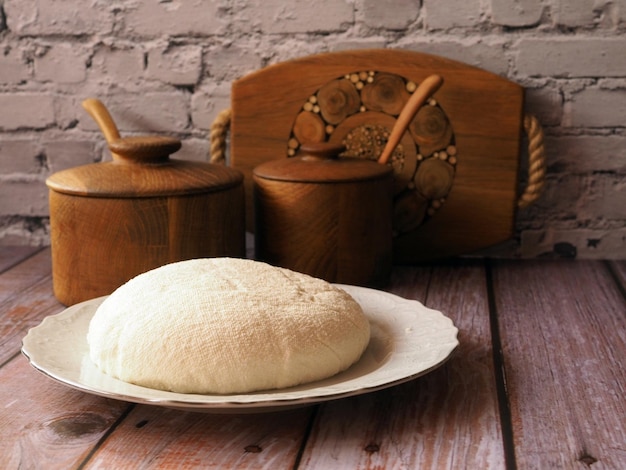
(428, 86)
(100, 114)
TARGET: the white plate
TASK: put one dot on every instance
(408, 340)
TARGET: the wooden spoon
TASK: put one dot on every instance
(100, 114)
(428, 86)
(134, 148)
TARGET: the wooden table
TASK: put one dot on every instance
(538, 382)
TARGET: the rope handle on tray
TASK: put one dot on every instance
(219, 129)
(536, 153)
(536, 162)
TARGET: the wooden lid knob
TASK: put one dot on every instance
(144, 149)
(321, 150)
(139, 149)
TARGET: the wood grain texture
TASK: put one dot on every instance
(337, 100)
(484, 111)
(111, 221)
(137, 180)
(47, 425)
(339, 231)
(98, 243)
(563, 329)
(25, 299)
(446, 419)
(12, 255)
(175, 439)
(18, 276)
(619, 268)
(410, 108)
(44, 424)
(431, 129)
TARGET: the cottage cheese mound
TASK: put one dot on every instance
(226, 326)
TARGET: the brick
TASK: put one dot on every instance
(13, 68)
(571, 57)
(607, 14)
(232, 62)
(298, 16)
(121, 65)
(207, 103)
(586, 154)
(68, 154)
(194, 149)
(377, 14)
(26, 110)
(516, 13)
(24, 198)
(451, 14)
(68, 109)
(292, 49)
(605, 199)
(620, 11)
(559, 197)
(174, 18)
(66, 17)
(62, 63)
(178, 65)
(546, 104)
(24, 231)
(596, 107)
(487, 55)
(350, 44)
(20, 157)
(147, 113)
(574, 12)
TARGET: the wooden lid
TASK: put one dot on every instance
(321, 163)
(141, 167)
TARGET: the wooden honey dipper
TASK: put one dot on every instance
(428, 86)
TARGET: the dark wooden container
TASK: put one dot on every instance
(325, 216)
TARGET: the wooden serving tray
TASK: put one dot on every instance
(456, 168)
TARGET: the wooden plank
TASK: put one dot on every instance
(563, 329)
(164, 438)
(27, 305)
(12, 255)
(446, 419)
(619, 269)
(23, 273)
(46, 424)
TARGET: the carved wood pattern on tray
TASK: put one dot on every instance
(359, 110)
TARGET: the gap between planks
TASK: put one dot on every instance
(500, 373)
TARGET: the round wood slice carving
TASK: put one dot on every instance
(359, 110)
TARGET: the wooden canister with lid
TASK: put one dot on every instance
(113, 220)
(326, 216)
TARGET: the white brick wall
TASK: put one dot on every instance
(167, 67)
(518, 13)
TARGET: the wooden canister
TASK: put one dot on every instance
(113, 220)
(326, 216)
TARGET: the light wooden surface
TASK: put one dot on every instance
(538, 382)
